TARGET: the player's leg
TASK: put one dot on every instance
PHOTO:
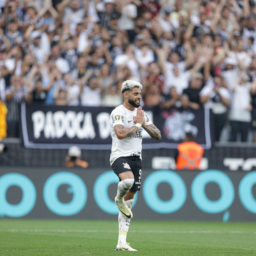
(124, 185)
(124, 222)
(122, 168)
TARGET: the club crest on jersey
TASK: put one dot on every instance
(126, 166)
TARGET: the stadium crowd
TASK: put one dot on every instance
(186, 53)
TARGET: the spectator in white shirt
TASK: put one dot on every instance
(165, 21)
(40, 45)
(240, 54)
(128, 58)
(230, 72)
(73, 90)
(82, 38)
(16, 92)
(56, 57)
(177, 78)
(216, 96)
(249, 30)
(91, 93)
(13, 33)
(73, 15)
(144, 55)
(240, 111)
(128, 15)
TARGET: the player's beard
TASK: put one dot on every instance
(133, 103)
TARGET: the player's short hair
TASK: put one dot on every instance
(129, 85)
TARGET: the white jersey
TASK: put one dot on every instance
(128, 146)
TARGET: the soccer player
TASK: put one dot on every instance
(127, 122)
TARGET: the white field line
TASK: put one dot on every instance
(15, 230)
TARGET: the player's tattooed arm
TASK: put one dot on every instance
(153, 131)
(122, 132)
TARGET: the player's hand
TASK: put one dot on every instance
(139, 118)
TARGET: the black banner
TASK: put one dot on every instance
(89, 127)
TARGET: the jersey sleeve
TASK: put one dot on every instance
(147, 119)
(117, 117)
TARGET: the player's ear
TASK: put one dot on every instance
(126, 93)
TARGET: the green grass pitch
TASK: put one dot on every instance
(151, 238)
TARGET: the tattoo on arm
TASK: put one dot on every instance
(122, 132)
(153, 131)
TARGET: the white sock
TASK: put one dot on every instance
(123, 187)
(124, 224)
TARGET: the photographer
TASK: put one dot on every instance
(73, 159)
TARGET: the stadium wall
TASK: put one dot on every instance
(210, 195)
(232, 156)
